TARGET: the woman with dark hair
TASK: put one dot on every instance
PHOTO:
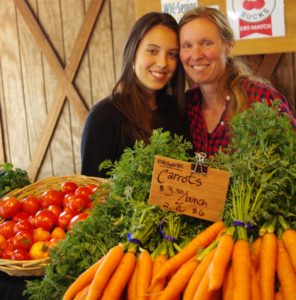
(222, 85)
(148, 94)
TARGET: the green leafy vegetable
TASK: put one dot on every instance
(12, 178)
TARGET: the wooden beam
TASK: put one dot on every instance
(70, 71)
(268, 65)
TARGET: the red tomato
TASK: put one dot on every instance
(50, 197)
(53, 242)
(23, 240)
(30, 205)
(20, 254)
(83, 191)
(21, 215)
(55, 209)
(77, 203)
(23, 225)
(3, 241)
(66, 200)
(64, 219)
(45, 219)
(6, 229)
(9, 207)
(39, 234)
(77, 218)
(7, 252)
(68, 187)
(92, 187)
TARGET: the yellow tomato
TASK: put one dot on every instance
(58, 233)
(39, 250)
(39, 234)
(2, 241)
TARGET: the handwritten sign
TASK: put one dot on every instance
(177, 188)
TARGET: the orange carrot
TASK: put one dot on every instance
(120, 278)
(227, 289)
(104, 272)
(289, 239)
(159, 286)
(82, 294)
(241, 262)
(179, 281)
(285, 272)
(197, 276)
(255, 253)
(278, 295)
(267, 265)
(203, 291)
(144, 275)
(255, 290)
(82, 280)
(131, 285)
(220, 261)
(200, 241)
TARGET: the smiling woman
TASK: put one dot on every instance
(147, 96)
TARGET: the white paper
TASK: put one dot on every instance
(177, 8)
(251, 19)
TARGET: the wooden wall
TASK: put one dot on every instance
(46, 88)
(31, 81)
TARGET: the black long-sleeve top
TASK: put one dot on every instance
(102, 136)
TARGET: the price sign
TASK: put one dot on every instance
(189, 189)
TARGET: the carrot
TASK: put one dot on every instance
(285, 272)
(278, 295)
(144, 275)
(241, 262)
(255, 290)
(82, 280)
(255, 253)
(197, 276)
(267, 265)
(200, 241)
(179, 281)
(104, 272)
(159, 286)
(82, 294)
(131, 285)
(227, 289)
(203, 291)
(220, 261)
(289, 239)
(120, 277)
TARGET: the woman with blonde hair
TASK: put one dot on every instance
(222, 85)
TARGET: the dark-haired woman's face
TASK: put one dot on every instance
(156, 58)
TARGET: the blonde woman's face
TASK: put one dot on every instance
(156, 58)
(203, 52)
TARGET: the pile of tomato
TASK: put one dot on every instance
(31, 226)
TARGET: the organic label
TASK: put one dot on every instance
(189, 189)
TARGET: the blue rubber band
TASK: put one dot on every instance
(243, 224)
(133, 240)
(166, 237)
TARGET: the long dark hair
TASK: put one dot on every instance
(129, 95)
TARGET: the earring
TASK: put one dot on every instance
(134, 67)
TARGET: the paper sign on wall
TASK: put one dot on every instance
(177, 8)
(189, 189)
(256, 18)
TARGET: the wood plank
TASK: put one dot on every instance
(43, 43)
(71, 70)
(14, 108)
(101, 57)
(123, 18)
(268, 65)
(34, 93)
(272, 45)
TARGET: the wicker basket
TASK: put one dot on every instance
(37, 267)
